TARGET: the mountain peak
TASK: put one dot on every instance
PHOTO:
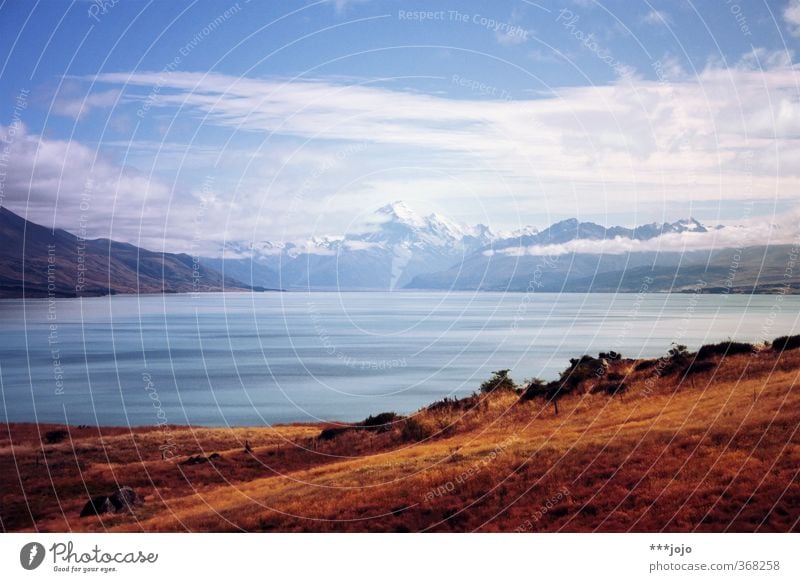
(684, 225)
(399, 211)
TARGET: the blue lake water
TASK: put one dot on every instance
(253, 359)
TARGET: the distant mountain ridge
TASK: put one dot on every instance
(398, 249)
(36, 261)
(572, 229)
(402, 249)
(399, 245)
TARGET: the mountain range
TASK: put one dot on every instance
(397, 249)
(36, 261)
(403, 250)
(397, 246)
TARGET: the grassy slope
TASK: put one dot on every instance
(719, 453)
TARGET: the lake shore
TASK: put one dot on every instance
(647, 445)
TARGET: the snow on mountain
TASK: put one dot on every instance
(398, 244)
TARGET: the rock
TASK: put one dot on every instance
(123, 499)
(55, 436)
(97, 505)
(196, 460)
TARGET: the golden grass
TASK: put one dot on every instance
(720, 452)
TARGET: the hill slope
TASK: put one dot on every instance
(717, 449)
(35, 261)
(756, 269)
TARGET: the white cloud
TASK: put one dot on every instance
(681, 138)
(751, 233)
(331, 151)
(657, 17)
(342, 5)
(791, 14)
(79, 107)
(67, 185)
(512, 36)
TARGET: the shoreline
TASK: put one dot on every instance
(610, 432)
(690, 358)
(772, 291)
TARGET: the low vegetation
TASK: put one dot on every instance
(704, 441)
(786, 342)
(728, 348)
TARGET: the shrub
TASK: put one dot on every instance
(332, 432)
(611, 356)
(500, 380)
(786, 342)
(677, 351)
(415, 429)
(381, 422)
(447, 403)
(55, 436)
(698, 367)
(535, 388)
(645, 365)
(728, 348)
(609, 388)
(580, 369)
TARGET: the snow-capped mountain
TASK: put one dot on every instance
(398, 246)
(572, 229)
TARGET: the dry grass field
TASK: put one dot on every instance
(676, 444)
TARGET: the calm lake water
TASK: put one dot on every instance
(251, 359)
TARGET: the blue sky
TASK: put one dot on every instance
(178, 124)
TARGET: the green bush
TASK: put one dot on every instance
(500, 380)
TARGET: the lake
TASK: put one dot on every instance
(253, 359)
